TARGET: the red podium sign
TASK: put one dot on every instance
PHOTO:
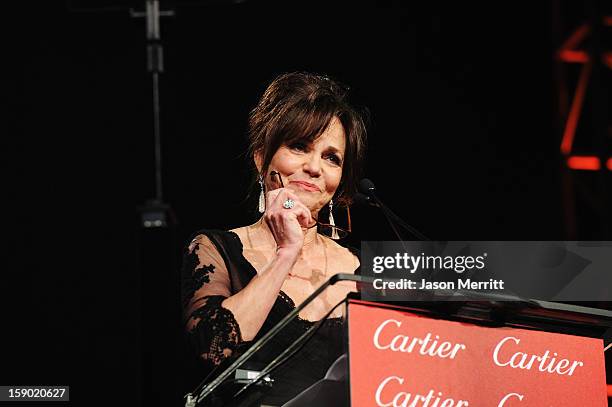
(401, 359)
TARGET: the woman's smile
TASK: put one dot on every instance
(305, 185)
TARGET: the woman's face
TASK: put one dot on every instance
(311, 170)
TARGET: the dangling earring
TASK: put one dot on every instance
(262, 196)
(331, 220)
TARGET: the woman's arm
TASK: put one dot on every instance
(219, 320)
(216, 320)
(252, 304)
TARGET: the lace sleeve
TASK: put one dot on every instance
(212, 329)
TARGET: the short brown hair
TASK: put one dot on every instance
(300, 106)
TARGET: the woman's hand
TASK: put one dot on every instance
(286, 224)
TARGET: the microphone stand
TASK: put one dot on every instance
(391, 217)
(367, 195)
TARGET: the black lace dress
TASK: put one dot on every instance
(215, 268)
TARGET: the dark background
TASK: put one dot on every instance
(463, 145)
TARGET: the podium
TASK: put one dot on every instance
(477, 352)
(402, 358)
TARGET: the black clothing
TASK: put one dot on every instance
(215, 268)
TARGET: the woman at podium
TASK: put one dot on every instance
(307, 143)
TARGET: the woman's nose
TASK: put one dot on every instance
(312, 165)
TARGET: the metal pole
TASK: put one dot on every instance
(155, 65)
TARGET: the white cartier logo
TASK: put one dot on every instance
(392, 391)
(429, 345)
(505, 355)
(394, 397)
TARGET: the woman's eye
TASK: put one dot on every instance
(334, 158)
(298, 146)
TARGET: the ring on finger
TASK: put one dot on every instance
(288, 204)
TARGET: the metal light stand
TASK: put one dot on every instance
(160, 298)
(155, 213)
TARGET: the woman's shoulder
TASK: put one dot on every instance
(240, 232)
(213, 237)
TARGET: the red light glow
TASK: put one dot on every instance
(584, 163)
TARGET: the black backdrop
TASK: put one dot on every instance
(463, 145)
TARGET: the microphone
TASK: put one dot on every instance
(367, 194)
(367, 187)
(364, 200)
